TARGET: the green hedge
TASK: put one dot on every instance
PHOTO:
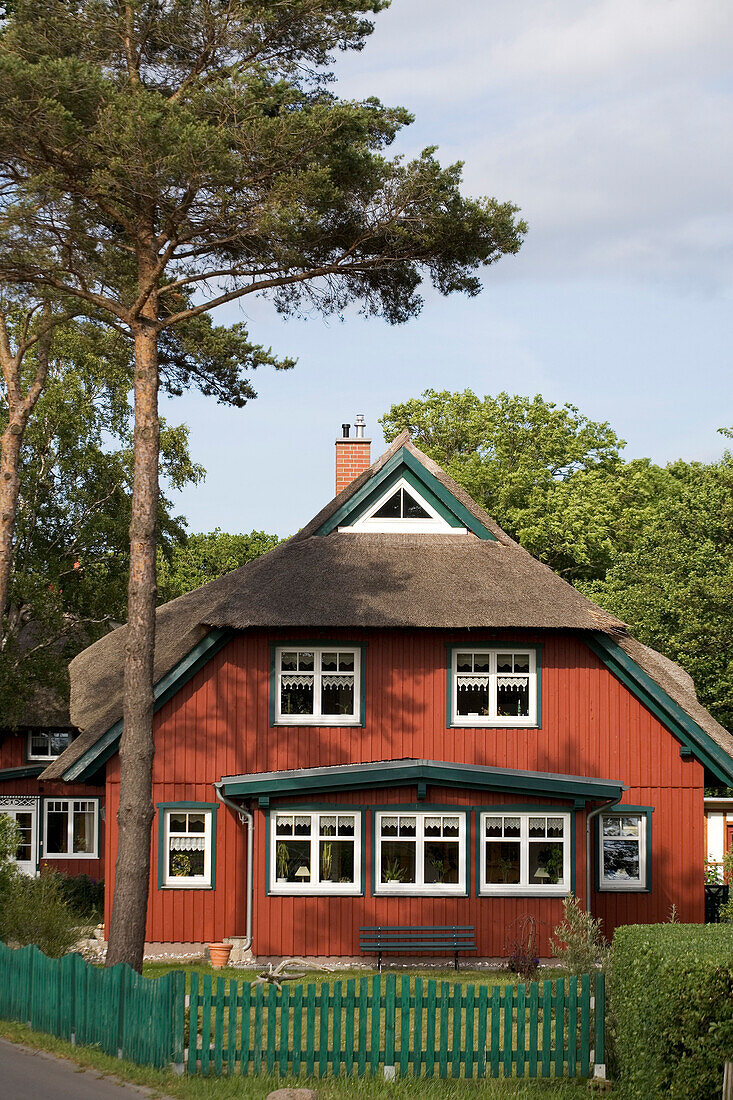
(671, 1008)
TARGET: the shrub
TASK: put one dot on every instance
(578, 941)
(34, 910)
(521, 947)
(80, 892)
(671, 1008)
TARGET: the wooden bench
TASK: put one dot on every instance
(397, 939)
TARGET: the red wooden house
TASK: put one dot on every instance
(400, 717)
(60, 823)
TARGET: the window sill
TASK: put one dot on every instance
(185, 886)
(314, 892)
(307, 720)
(70, 855)
(419, 892)
(525, 892)
(606, 888)
(494, 723)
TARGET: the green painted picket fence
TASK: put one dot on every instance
(391, 1026)
(117, 1010)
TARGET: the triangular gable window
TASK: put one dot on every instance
(402, 505)
(402, 509)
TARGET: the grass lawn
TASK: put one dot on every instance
(166, 1083)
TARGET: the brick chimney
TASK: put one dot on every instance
(353, 456)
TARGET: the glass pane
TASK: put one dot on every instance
(306, 661)
(502, 862)
(289, 662)
(494, 826)
(629, 826)
(504, 662)
(464, 662)
(60, 739)
(296, 696)
(408, 826)
(57, 832)
(512, 697)
(293, 861)
(536, 826)
(24, 821)
(432, 826)
(329, 662)
(512, 826)
(284, 826)
(389, 826)
(481, 662)
(188, 864)
(177, 823)
(302, 825)
(337, 861)
(612, 826)
(337, 695)
(411, 508)
(472, 701)
(441, 862)
(555, 826)
(398, 861)
(451, 826)
(521, 662)
(392, 508)
(621, 860)
(545, 864)
(39, 744)
(328, 824)
(197, 823)
(83, 829)
(346, 662)
(346, 825)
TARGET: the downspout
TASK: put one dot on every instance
(589, 853)
(245, 816)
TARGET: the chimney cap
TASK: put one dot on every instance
(360, 425)
(345, 429)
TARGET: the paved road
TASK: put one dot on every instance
(27, 1074)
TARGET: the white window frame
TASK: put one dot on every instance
(71, 854)
(420, 887)
(524, 888)
(186, 882)
(32, 756)
(315, 886)
(435, 523)
(318, 719)
(492, 718)
(624, 886)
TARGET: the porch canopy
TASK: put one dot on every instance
(400, 773)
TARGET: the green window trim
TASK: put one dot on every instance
(509, 644)
(403, 464)
(543, 809)
(165, 808)
(424, 809)
(621, 811)
(320, 643)
(316, 808)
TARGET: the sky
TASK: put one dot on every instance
(610, 123)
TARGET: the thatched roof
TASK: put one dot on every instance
(355, 580)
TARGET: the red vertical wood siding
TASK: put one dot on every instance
(219, 724)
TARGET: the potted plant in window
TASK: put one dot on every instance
(326, 861)
(180, 865)
(283, 862)
(393, 871)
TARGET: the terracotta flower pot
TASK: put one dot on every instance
(219, 954)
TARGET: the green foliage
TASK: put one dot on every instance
(203, 557)
(69, 582)
(9, 840)
(36, 910)
(578, 940)
(671, 998)
(674, 587)
(83, 894)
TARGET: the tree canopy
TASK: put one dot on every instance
(203, 557)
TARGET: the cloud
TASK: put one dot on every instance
(609, 122)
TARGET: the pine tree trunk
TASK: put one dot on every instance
(10, 444)
(135, 814)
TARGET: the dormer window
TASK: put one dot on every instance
(403, 509)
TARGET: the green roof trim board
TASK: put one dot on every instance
(403, 464)
(26, 771)
(700, 744)
(395, 773)
(165, 689)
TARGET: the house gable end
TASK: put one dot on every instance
(404, 465)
